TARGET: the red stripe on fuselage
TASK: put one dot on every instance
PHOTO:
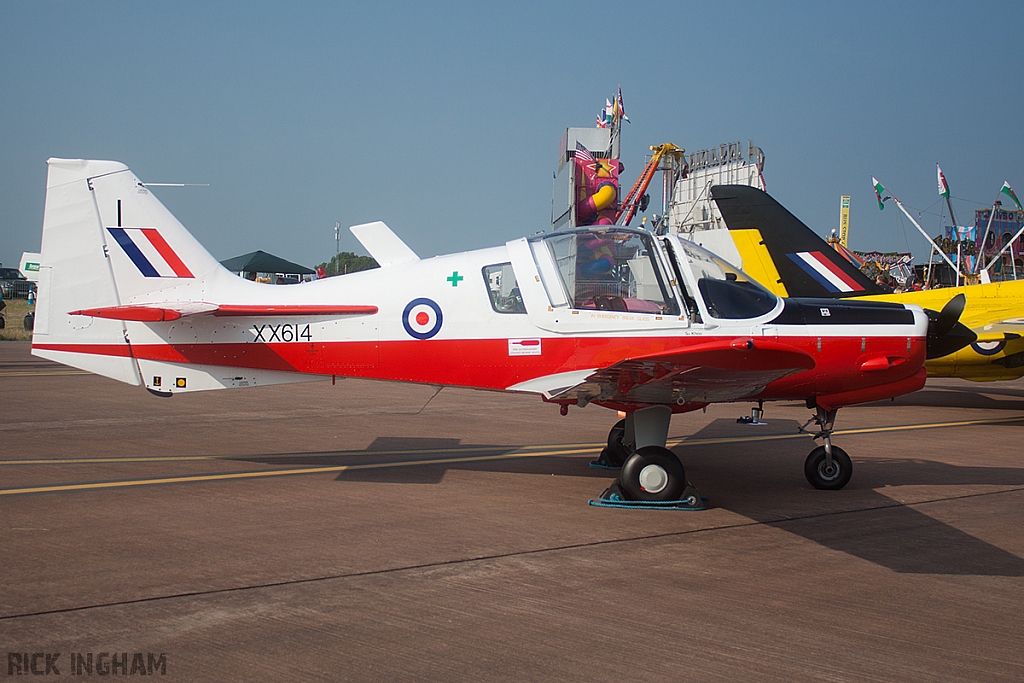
(485, 363)
(160, 244)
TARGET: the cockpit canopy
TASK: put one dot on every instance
(605, 269)
(620, 269)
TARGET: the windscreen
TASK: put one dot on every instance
(728, 293)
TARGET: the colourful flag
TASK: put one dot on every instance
(1008, 191)
(943, 185)
(605, 117)
(879, 191)
(620, 111)
(584, 153)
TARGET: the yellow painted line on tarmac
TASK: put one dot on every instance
(281, 473)
(520, 453)
(95, 461)
(582, 448)
(933, 425)
(844, 432)
(44, 373)
(521, 450)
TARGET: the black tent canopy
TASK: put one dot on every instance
(262, 262)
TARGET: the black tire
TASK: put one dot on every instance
(30, 321)
(820, 477)
(653, 473)
(616, 453)
(3, 322)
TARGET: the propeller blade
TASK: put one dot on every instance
(946, 334)
(950, 314)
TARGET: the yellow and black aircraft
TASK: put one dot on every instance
(787, 257)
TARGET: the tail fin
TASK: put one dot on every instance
(107, 242)
(805, 264)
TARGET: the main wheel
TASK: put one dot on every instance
(616, 453)
(822, 476)
(653, 473)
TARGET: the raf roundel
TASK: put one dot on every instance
(989, 348)
(422, 318)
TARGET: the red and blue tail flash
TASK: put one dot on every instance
(150, 252)
(825, 272)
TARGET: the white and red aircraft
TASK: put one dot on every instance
(607, 315)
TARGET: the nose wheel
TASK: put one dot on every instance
(828, 474)
(828, 467)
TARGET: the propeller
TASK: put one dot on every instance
(946, 334)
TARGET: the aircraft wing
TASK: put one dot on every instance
(703, 373)
(996, 332)
(167, 312)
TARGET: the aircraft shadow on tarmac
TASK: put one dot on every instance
(961, 397)
(863, 521)
(427, 460)
(761, 480)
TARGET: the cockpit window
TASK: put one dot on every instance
(727, 292)
(503, 289)
(604, 269)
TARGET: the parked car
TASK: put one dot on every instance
(14, 285)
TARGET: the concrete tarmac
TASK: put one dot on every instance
(370, 531)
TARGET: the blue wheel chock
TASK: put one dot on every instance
(612, 497)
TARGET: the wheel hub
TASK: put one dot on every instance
(828, 471)
(653, 479)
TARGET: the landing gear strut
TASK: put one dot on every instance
(828, 467)
(651, 476)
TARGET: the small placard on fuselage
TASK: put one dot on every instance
(524, 347)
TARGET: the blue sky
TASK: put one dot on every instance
(443, 120)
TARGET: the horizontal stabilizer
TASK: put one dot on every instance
(308, 310)
(384, 246)
(154, 314)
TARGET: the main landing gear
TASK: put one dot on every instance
(828, 467)
(651, 474)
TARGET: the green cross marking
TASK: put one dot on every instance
(455, 278)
